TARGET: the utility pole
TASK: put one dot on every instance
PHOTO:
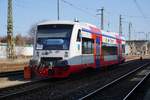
(120, 24)
(146, 34)
(10, 40)
(57, 9)
(130, 25)
(108, 26)
(102, 17)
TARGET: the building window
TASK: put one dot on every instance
(109, 50)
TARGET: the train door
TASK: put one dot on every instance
(87, 51)
(97, 52)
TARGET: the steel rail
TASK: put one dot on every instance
(4, 96)
(11, 73)
(113, 82)
(136, 87)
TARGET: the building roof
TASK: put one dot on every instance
(137, 41)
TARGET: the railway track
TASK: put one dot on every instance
(99, 80)
(46, 85)
(9, 92)
(120, 88)
(12, 73)
(135, 92)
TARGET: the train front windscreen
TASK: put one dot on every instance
(53, 37)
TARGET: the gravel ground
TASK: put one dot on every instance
(121, 89)
(79, 84)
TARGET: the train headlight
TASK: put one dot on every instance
(66, 54)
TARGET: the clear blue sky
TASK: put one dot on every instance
(28, 12)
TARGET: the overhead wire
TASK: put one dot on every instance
(139, 8)
(87, 12)
(21, 4)
(79, 8)
(141, 11)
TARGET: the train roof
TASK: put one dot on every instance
(113, 34)
(86, 26)
(57, 22)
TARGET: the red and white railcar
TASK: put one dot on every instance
(65, 47)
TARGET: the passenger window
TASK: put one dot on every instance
(109, 50)
(87, 46)
(78, 36)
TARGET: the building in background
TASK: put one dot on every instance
(138, 47)
(21, 51)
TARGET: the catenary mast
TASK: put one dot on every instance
(10, 40)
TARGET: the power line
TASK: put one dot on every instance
(80, 9)
(139, 8)
(23, 4)
(130, 16)
(141, 11)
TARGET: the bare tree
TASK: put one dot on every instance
(0, 39)
(3, 39)
(20, 40)
(32, 30)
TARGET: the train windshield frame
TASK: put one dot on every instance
(54, 37)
